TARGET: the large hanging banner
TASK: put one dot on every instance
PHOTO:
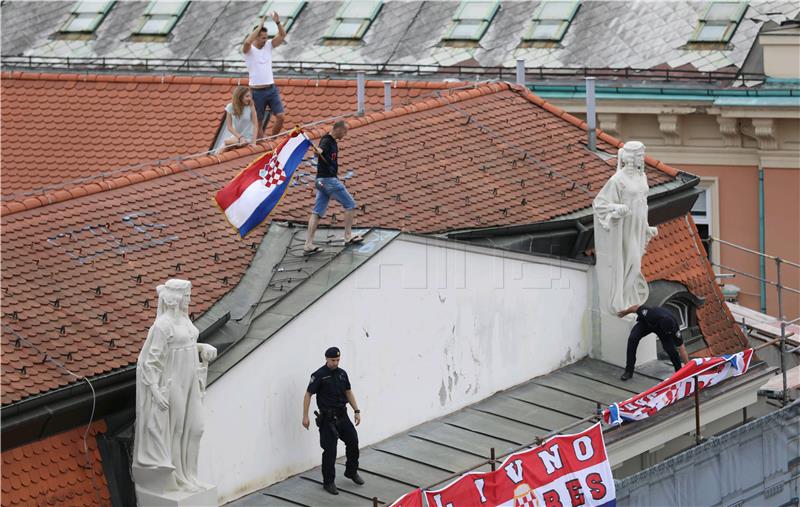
(709, 371)
(564, 471)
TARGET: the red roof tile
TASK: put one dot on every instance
(76, 287)
(92, 124)
(54, 471)
(677, 255)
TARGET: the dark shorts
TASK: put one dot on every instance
(263, 97)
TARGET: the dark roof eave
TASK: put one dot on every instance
(665, 194)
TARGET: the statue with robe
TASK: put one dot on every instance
(621, 232)
(170, 385)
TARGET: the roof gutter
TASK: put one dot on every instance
(654, 201)
(40, 416)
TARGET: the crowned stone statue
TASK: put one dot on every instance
(621, 232)
(170, 385)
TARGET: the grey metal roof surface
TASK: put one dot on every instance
(436, 450)
(636, 34)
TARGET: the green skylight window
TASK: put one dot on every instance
(719, 22)
(471, 20)
(160, 17)
(551, 20)
(353, 19)
(86, 17)
(287, 10)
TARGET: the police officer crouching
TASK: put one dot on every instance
(332, 387)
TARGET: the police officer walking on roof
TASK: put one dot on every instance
(332, 387)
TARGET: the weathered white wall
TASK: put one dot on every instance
(424, 330)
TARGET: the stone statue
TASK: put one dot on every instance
(170, 385)
(621, 232)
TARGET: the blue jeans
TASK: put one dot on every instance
(331, 187)
(266, 96)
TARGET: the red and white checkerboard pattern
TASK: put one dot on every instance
(526, 500)
(271, 174)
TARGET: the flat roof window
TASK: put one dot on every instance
(160, 17)
(471, 20)
(85, 17)
(718, 23)
(353, 19)
(551, 21)
(287, 10)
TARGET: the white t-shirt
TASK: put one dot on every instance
(259, 64)
(243, 123)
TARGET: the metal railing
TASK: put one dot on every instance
(780, 288)
(320, 69)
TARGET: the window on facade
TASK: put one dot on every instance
(353, 19)
(701, 213)
(86, 17)
(287, 10)
(719, 22)
(160, 17)
(551, 21)
(471, 20)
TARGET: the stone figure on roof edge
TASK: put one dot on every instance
(170, 384)
(621, 232)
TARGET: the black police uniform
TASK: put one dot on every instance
(653, 319)
(329, 386)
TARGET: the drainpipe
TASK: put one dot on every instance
(360, 83)
(762, 268)
(590, 113)
(387, 95)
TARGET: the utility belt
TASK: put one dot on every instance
(331, 414)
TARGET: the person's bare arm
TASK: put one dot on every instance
(252, 37)
(352, 400)
(627, 311)
(684, 355)
(229, 126)
(278, 39)
(306, 404)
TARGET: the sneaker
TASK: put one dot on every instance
(355, 478)
(331, 488)
(626, 376)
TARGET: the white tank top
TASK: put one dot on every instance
(259, 64)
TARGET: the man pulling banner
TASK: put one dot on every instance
(565, 470)
(254, 192)
(709, 370)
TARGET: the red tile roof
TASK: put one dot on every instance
(76, 287)
(54, 471)
(677, 255)
(95, 123)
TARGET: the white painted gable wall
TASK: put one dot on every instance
(448, 326)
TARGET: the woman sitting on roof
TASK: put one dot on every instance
(241, 123)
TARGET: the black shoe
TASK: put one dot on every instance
(331, 488)
(355, 478)
(626, 376)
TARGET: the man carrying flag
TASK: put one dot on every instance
(254, 192)
(328, 185)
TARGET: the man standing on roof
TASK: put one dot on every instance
(328, 185)
(257, 51)
(653, 319)
(332, 387)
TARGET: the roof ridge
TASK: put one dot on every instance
(154, 171)
(215, 80)
(564, 115)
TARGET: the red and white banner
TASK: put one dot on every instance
(709, 370)
(566, 470)
(412, 499)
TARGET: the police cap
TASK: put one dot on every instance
(332, 352)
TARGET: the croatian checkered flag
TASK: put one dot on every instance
(253, 194)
